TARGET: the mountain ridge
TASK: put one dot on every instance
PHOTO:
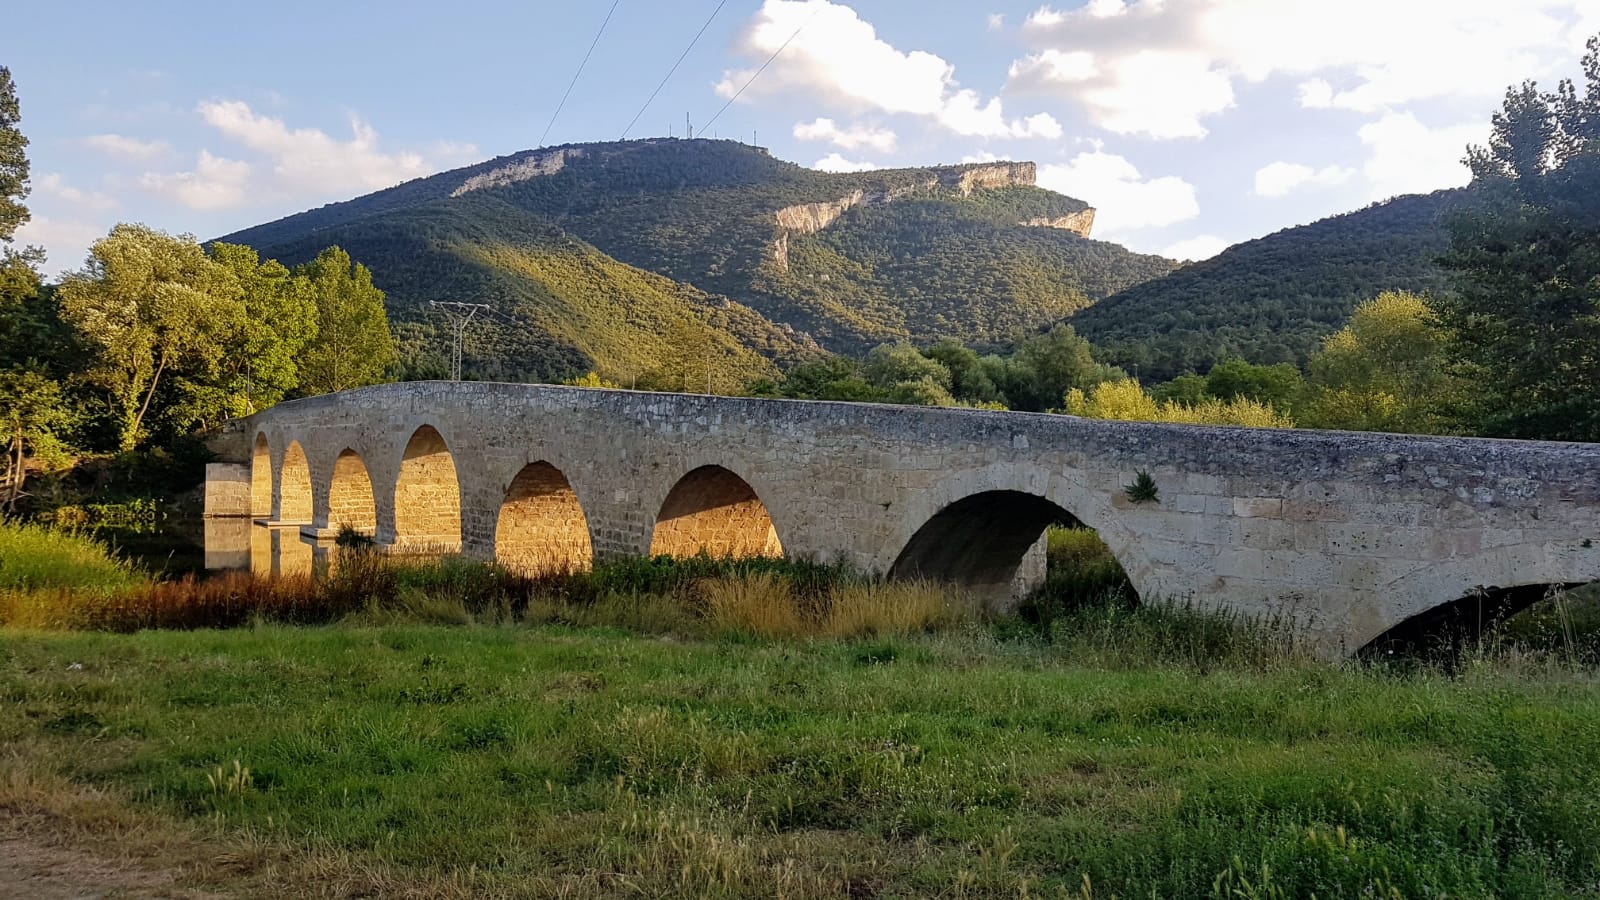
(835, 261)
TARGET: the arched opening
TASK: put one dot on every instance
(1559, 617)
(979, 543)
(294, 490)
(427, 496)
(714, 511)
(541, 526)
(261, 479)
(350, 501)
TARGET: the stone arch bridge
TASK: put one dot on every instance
(1348, 535)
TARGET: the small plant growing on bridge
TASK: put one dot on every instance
(1143, 489)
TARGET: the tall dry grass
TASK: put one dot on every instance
(770, 606)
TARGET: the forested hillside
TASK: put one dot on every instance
(561, 307)
(1275, 298)
(851, 259)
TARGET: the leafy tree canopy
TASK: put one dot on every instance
(13, 160)
(1525, 254)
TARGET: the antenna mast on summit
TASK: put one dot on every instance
(460, 316)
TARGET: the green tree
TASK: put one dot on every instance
(1387, 370)
(353, 346)
(829, 378)
(280, 320)
(13, 161)
(1051, 364)
(150, 304)
(1186, 388)
(1526, 309)
(1275, 385)
(892, 363)
(971, 381)
(33, 418)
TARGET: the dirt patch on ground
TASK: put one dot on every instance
(34, 865)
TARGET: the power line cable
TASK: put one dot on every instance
(673, 70)
(576, 75)
(763, 68)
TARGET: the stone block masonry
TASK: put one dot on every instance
(1347, 535)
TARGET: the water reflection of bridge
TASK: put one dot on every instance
(242, 545)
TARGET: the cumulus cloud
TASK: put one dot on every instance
(1202, 246)
(214, 183)
(64, 240)
(1124, 199)
(119, 146)
(53, 185)
(1407, 156)
(309, 160)
(853, 138)
(1281, 179)
(835, 162)
(837, 57)
(1160, 68)
(279, 162)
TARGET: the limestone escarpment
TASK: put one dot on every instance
(1079, 223)
(535, 164)
(948, 181)
(994, 175)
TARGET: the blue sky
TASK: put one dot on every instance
(1190, 124)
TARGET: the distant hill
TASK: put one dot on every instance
(561, 307)
(770, 255)
(1275, 298)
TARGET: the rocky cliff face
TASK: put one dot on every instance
(1080, 223)
(996, 175)
(959, 181)
(533, 164)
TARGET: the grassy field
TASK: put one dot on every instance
(700, 729)
(550, 761)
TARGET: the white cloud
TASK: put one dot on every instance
(997, 21)
(1202, 246)
(291, 163)
(53, 185)
(120, 146)
(1280, 179)
(65, 241)
(982, 156)
(837, 57)
(853, 138)
(834, 162)
(1124, 200)
(1407, 156)
(308, 160)
(214, 183)
(1160, 68)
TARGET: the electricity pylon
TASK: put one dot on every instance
(460, 316)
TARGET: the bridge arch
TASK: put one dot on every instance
(261, 478)
(351, 501)
(1439, 604)
(1451, 625)
(541, 525)
(713, 510)
(978, 541)
(294, 487)
(427, 495)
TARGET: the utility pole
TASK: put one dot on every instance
(460, 316)
(689, 126)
